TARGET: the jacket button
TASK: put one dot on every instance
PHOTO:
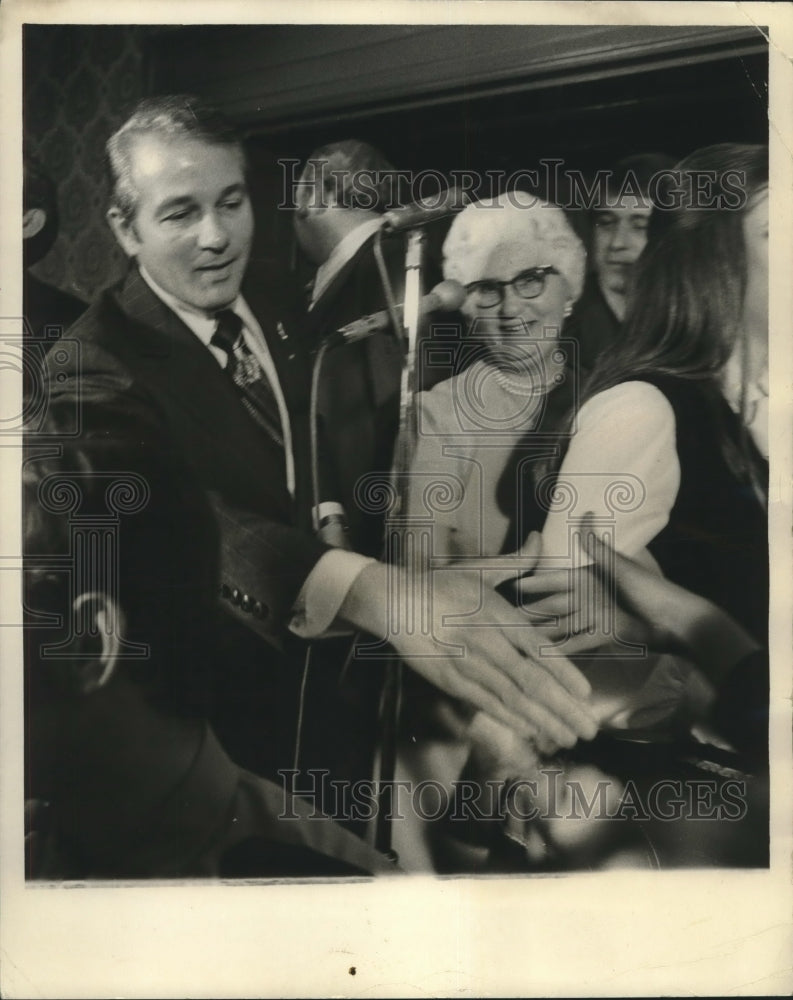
(225, 591)
(259, 610)
(246, 603)
(236, 596)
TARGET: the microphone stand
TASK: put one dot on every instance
(398, 543)
(398, 550)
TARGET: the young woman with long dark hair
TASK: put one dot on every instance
(693, 365)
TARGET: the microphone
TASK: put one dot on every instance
(438, 207)
(444, 297)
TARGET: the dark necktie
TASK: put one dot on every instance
(246, 373)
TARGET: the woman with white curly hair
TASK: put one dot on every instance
(487, 433)
(522, 267)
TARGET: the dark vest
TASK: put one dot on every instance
(716, 541)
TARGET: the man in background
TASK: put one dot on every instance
(341, 197)
(618, 235)
(342, 194)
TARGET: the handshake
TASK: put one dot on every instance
(452, 626)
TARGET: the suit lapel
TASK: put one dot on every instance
(280, 319)
(321, 316)
(280, 324)
(185, 372)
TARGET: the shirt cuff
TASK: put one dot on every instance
(328, 508)
(324, 591)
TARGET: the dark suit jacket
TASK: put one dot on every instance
(359, 388)
(219, 821)
(358, 404)
(136, 356)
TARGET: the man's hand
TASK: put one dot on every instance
(451, 627)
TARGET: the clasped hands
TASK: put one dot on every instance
(450, 625)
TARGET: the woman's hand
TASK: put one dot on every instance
(684, 621)
(581, 608)
(616, 599)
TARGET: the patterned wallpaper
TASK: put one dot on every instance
(80, 82)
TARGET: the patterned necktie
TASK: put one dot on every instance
(246, 373)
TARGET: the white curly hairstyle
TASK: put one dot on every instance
(517, 219)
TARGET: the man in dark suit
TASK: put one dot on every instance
(177, 344)
(337, 223)
(124, 778)
(341, 196)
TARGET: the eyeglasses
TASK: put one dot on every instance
(528, 285)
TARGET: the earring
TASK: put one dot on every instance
(568, 309)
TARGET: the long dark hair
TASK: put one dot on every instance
(684, 312)
(685, 307)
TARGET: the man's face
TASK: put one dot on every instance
(193, 226)
(619, 236)
(311, 202)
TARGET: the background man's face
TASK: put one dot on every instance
(311, 203)
(619, 236)
(193, 226)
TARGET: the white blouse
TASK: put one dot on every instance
(621, 465)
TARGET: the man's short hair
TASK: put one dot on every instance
(170, 117)
(353, 174)
(154, 550)
(39, 191)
